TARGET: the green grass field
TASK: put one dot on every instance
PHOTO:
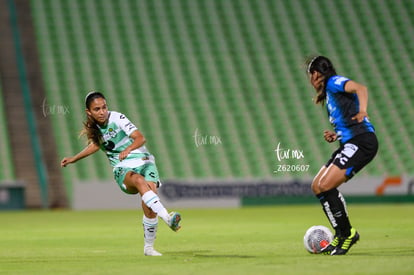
(253, 240)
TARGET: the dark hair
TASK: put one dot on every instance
(91, 97)
(90, 129)
(324, 66)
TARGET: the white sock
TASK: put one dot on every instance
(153, 201)
(150, 230)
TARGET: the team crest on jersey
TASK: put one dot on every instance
(111, 133)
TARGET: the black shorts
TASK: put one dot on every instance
(354, 154)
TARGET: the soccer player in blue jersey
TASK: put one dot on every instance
(133, 166)
(346, 102)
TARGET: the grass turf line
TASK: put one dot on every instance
(252, 240)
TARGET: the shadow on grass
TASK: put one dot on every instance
(389, 252)
(224, 256)
(207, 254)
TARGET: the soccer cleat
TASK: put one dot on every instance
(346, 243)
(174, 221)
(150, 251)
(331, 247)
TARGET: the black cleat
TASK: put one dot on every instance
(331, 246)
(346, 243)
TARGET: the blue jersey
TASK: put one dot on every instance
(342, 106)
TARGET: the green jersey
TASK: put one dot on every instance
(116, 138)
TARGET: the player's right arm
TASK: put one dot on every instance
(362, 93)
(87, 151)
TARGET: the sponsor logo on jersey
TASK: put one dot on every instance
(130, 126)
(339, 80)
(347, 153)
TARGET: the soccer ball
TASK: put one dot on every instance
(316, 238)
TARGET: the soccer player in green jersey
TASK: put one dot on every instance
(133, 166)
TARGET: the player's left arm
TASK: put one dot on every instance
(138, 140)
(362, 93)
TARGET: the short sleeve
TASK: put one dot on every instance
(337, 84)
(126, 125)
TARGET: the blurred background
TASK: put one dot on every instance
(216, 86)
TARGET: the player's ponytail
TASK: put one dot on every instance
(90, 129)
(324, 66)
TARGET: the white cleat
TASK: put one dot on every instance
(150, 251)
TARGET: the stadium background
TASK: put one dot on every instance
(215, 85)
